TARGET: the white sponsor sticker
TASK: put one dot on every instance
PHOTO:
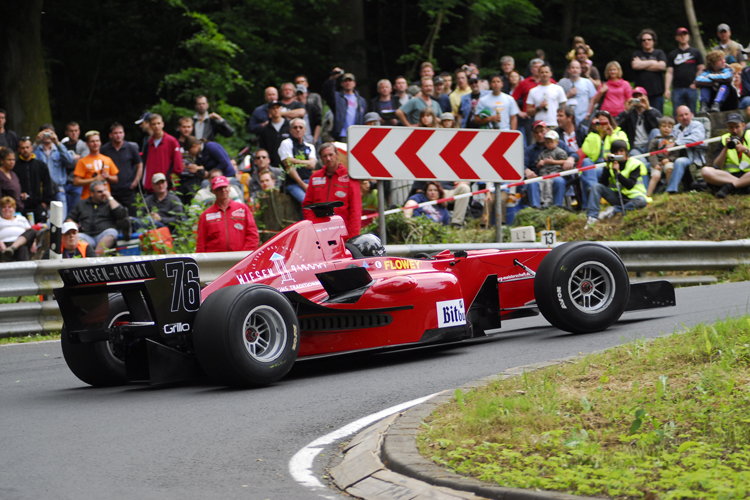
(340, 194)
(318, 181)
(344, 178)
(239, 227)
(240, 212)
(451, 313)
(213, 216)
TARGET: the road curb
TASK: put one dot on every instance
(382, 461)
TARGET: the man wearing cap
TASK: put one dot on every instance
(227, 225)
(72, 246)
(332, 183)
(165, 208)
(638, 120)
(94, 166)
(408, 114)
(145, 127)
(469, 103)
(348, 106)
(443, 100)
(684, 64)
(126, 157)
(731, 170)
(274, 132)
(497, 110)
(649, 65)
(372, 119)
(206, 124)
(732, 49)
(260, 114)
(313, 116)
(312, 97)
(97, 216)
(163, 154)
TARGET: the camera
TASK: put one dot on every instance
(46, 135)
(337, 72)
(733, 142)
(636, 100)
(616, 158)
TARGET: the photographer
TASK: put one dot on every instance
(638, 120)
(620, 183)
(731, 170)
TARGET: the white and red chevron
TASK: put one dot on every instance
(428, 153)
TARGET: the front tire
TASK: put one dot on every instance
(582, 287)
(96, 362)
(246, 336)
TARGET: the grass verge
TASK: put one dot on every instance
(29, 338)
(665, 419)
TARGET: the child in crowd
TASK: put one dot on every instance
(548, 162)
(661, 161)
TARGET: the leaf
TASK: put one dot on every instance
(604, 379)
(585, 404)
(635, 425)
(639, 413)
(687, 445)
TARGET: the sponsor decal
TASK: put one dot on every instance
(560, 297)
(176, 328)
(240, 212)
(318, 181)
(117, 272)
(340, 194)
(344, 178)
(239, 227)
(515, 277)
(395, 264)
(213, 216)
(451, 313)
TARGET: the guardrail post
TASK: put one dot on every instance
(56, 222)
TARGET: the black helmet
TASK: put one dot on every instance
(366, 245)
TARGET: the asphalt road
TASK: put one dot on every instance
(60, 439)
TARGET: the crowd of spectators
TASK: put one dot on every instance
(584, 118)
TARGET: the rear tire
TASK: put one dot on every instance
(582, 287)
(246, 336)
(95, 362)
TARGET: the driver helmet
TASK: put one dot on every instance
(369, 245)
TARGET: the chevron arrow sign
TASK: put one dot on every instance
(430, 153)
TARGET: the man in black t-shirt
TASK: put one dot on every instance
(683, 65)
(649, 65)
(126, 156)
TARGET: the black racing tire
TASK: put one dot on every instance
(96, 362)
(246, 335)
(582, 287)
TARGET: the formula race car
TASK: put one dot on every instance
(308, 293)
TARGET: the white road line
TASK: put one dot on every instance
(300, 466)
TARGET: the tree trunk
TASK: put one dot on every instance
(349, 46)
(473, 30)
(23, 81)
(695, 32)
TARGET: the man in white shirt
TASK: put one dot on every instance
(545, 98)
(578, 90)
(502, 110)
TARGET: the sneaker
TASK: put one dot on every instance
(8, 254)
(607, 213)
(590, 221)
(725, 190)
(699, 185)
(715, 107)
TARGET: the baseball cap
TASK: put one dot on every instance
(438, 80)
(145, 116)
(681, 30)
(473, 79)
(274, 103)
(722, 27)
(158, 177)
(301, 89)
(348, 76)
(537, 124)
(372, 117)
(640, 90)
(734, 118)
(218, 182)
(447, 116)
(67, 226)
(552, 135)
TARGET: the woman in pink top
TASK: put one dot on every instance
(616, 91)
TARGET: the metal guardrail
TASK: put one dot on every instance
(40, 277)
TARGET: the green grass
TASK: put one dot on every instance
(30, 338)
(665, 419)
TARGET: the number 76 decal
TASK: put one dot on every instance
(186, 294)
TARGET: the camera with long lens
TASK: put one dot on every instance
(733, 142)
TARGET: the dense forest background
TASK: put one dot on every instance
(114, 59)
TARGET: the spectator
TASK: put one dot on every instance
(298, 160)
(97, 217)
(649, 65)
(185, 129)
(687, 132)
(428, 118)
(604, 131)
(165, 209)
(162, 155)
(573, 136)
(95, 166)
(210, 155)
(37, 188)
(50, 150)
(313, 117)
(447, 83)
(436, 213)
(578, 40)
(227, 225)
(661, 161)
(732, 50)
(332, 183)
(267, 181)
(205, 196)
(273, 133)
(72, 246)
(348, 106)
(400, 85)
(497, 109)
(291, 108)
(737, 77)
(145, 127)
(8, 138)
(514, 78)
(372, 119)
(715, 82)
(10, 185)
(73, 142)
(462, 88)
(544, 99)
(385, 104)
(259, 118)
(207, 124)
(409, 114)
(313, 98)
(638, 121)
(521, 95)
(578, 91)
(729, 172)
(507, 65)
(192, 175)
(447, 120)
(588, 70)
(550, 161)
(745, 86)
(261, 166)
(684, 64)
(17, 238)
(620, 183)
(369, 195)
(128, 161)
(530, 156)
(437, 94)
(614, 93)
(469, 103)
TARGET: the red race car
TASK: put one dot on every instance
(308, 293)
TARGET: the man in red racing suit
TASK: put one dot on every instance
(332, 183)
(227, 225)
